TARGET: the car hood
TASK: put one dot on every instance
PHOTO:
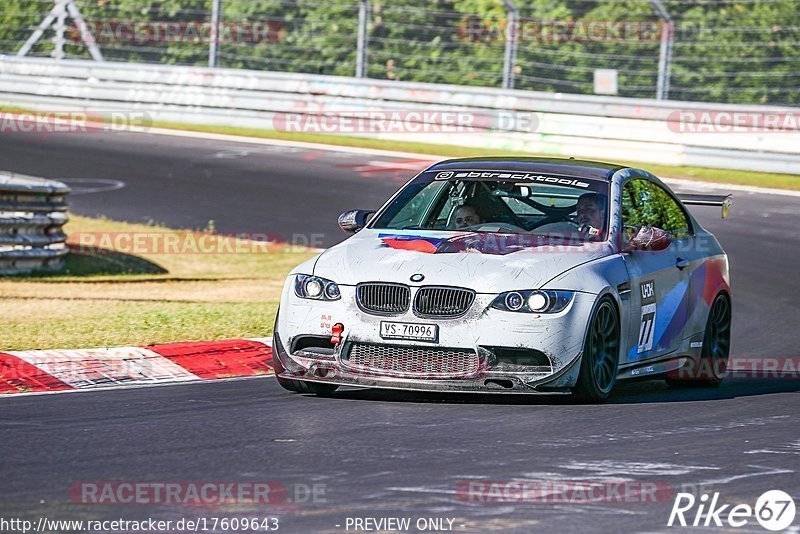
(484, 262)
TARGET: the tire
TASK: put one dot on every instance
(297, 386)
(600, 357)
(710, 369)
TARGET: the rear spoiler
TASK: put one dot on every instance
(724, 201)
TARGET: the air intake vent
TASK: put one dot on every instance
(417, 362)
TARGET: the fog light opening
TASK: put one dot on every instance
(498, 383)
(323, 372)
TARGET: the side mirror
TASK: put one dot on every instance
(649, 238)
(354, 220)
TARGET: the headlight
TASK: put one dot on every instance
(314, 287)
(514, 301)
(533, 301)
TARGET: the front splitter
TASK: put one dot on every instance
(491, 383)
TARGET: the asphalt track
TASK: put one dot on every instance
(391, 455)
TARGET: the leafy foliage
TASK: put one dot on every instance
(741, 51)
(645, 204)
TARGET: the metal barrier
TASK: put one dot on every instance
(608, 128)
(32, 216)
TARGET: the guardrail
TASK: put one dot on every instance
(608, 128)
(32, 216)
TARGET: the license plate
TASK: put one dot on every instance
(415, 331)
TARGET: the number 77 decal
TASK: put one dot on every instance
(647, 327)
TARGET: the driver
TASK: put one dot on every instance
(591, 210)
(466, 216)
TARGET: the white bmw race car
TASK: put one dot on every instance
(512, 275)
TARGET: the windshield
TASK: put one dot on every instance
(565, 211)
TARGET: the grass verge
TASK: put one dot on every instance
(203, 287)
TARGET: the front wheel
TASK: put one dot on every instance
(598, 372)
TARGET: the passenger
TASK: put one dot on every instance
(591, 211)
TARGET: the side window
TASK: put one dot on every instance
(646, 204)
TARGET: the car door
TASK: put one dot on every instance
(659, 279)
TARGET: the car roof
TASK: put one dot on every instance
(577, 168)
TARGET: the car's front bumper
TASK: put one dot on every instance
(559, 337)
(334, 371)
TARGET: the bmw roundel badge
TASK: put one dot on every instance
(417, 277)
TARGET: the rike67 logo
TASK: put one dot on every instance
(774, 510)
